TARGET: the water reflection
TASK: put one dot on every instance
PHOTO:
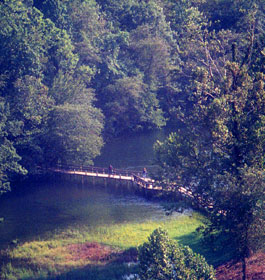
(132, 151)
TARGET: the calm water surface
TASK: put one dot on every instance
(132, 151)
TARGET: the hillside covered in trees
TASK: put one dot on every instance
(75, 72)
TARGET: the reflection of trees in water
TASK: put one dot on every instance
(132, 151)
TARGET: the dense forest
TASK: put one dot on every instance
(74, 73)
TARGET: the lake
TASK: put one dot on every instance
(36, 209)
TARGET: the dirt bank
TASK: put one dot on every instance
(233, 271)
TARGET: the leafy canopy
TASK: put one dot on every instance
(163, 259)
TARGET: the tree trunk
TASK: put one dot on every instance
(244, 269)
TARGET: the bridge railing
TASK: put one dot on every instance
(99, 170)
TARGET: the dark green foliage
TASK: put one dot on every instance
(129, 105)
(129, 14)
(75, 125)
(9, 159)
(36, 60)
(55, 10)
(32, 107)
(139, 55)
(218, 151)
(162, 258)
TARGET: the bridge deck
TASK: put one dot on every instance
(95, 174)
(143, 182)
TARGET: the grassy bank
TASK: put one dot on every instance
(52, 255)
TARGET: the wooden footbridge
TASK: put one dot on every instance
(116, 174)
(136, 177)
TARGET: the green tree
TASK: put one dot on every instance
(162, 258)
(31, 45)
(130, 105)
(55, 10)
(37, 64)
(188, 30)
(151, 49)
(127, 15)
(218, 155)
(135, 52)
(218, 151)
(31, 106)
(9, 159)
(75, 125)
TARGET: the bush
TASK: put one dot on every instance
(163, 259)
